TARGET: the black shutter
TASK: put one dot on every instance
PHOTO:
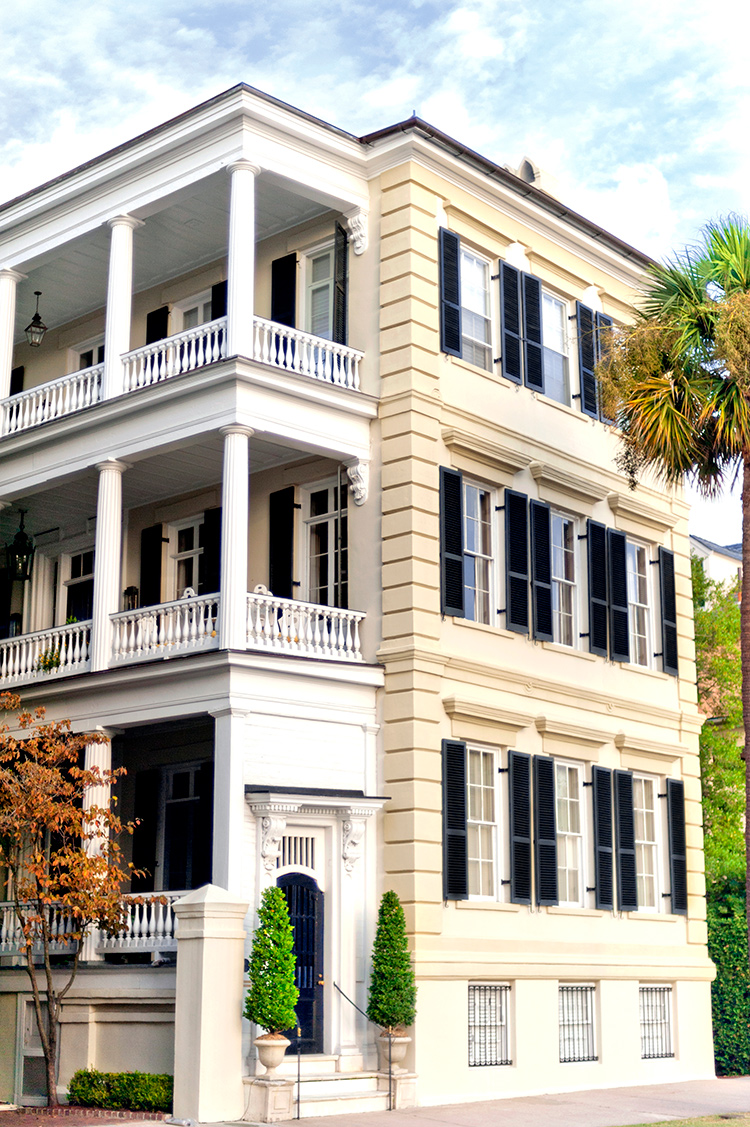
(451, 543)
(203, 826)
(596, 541)
(16, 380)
(6, 595)
(281, 542)
(617, 554)
(677, 851)
(340, 285)
(519, 804)
(151, 557)
(157, 324)
(668, 612)
(510, 322)
(603, 325)
(627, 882)
(455, 856)
(587, 360)
(218, 300)
(601, 790)
(532, 332)
(545, 833)
(146, 814)
(284, 290)
(541, 570)
(449, 251)
(209, 562)
(516, 561)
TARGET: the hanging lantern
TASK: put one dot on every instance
(20, 554)
(36, 328)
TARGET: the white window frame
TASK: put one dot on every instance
(656, 846)
(467, 253)
(166, 772)
(174, 556)
(498, 994)
(591, 1018)
(493, 824)
(181, 308)
(664, 991)
(564, 305)
(560, 581)
(329, 249)
(490, 559)
(308, 521)
(576, 840)
(638, 546)
(92, 344)
(66, 581)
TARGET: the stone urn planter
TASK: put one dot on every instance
(271, 1049)
(399, 1044)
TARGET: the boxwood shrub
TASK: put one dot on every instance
(136, 1091)
(730, 991)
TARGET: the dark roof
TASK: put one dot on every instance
(734, 551)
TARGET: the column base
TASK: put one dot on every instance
(404, 1087)
(268, 1101)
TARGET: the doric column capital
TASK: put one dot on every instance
(12, 275)
(112, 464)
(125, 221)
(236, 428)
(244, 166)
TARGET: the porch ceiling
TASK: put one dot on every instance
(184, 469)
(181, 232)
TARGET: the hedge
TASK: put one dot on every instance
(136, 1091)
(730, 992)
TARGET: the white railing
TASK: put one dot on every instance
(52, 400)
(159, 631)
(301, 352)
(11, 937)
(150, 924)
(45, 653)
(183, 352)
(306, 629)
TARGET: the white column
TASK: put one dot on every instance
(106, 561)
(119, 302)
(96, 755)
(9, 280)
(235, 500)
(241, 258)
(230, 809)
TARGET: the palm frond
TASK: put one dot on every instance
(727, 254)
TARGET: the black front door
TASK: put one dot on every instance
(305, 902)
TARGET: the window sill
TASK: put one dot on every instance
(572, 910)
(487, 905)
(653, 917)
(475, 370)
(486, 627)
(574, 412)
(572, 651)
(646, 671)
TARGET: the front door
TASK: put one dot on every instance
(305, 902)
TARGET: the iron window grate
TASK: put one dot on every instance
(655, 1004)
(576, 1004)
(488, 1025)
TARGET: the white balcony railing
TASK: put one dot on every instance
(45, 653)
(296, 351)
(174, 355)
(150, 925)
(11, 936)
(52, 400)
(160, 631)
(306, 629)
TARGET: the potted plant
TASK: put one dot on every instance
(273, 994)
(393, 991)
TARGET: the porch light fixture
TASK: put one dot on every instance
(36, 328)
(20, 554)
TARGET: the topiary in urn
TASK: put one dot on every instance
(273, 994)
(393, 993)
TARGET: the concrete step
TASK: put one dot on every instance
(350, 1103)
(313, 1064)
(343, 1083)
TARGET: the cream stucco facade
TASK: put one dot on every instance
(262, 362)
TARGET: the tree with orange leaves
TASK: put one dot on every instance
(64, 865)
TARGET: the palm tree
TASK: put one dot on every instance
(678, 383)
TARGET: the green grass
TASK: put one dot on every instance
(703, 1121)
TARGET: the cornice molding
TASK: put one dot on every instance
(572, 733)
(563, 481)
(651, 749)
(505, 458)
(461, 708)
(624, 505)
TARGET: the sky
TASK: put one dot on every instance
(640, 109)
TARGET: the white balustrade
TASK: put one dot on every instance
(52, 400)
(305, 629)
(159, 631)
(11, 937)
(150, 924)
(45, 653)
(174, 355)
(296, 351)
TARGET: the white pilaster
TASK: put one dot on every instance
(229, 800)
(106, 560)
(9, 280)
(119, 302)
(235, 499)
(241, 258)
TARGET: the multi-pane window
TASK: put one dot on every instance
(646, 851)
(554, 335)
(655, 1004)
(576, 1015)
(186, 550)
(488, 1024)
(477, 552)
(91, 354)
(569, 833)
(80, 587)
(328, 546)
(638, 607)
(476, 331)
(198, 312)
(481, 830)
(320, 293)
(563, 579)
